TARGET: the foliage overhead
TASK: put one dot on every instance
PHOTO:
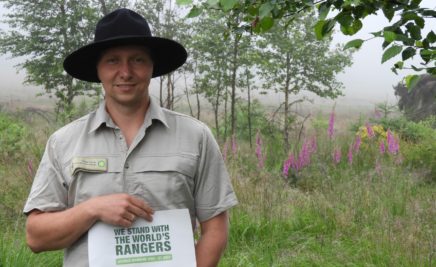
(407, 34)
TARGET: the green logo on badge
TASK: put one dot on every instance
(101, 163)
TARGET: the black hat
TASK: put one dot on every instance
(124, 27)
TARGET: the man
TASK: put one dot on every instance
(129, 157)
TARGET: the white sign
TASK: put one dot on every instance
(166, 242)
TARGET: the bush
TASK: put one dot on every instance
(12, 134)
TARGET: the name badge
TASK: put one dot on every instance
(88, 164)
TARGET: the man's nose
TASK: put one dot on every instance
(125, 70)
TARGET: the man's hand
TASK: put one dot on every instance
(120, 209)
(58, 230)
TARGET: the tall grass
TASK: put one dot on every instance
(377, 211)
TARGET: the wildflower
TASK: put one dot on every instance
(369, 131)
(337, 156)
(259, 155)
(313, 145)
(287, 165)
(350, 155)
(304, 156)
(357, 143)
(234, 145)
(330, 130)
(382, 147)
(226, 144)
(393, 144)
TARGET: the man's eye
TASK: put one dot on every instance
(112, 60)
(139, 60)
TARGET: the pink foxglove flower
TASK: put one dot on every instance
(287, 165)
(234, 145)
(337, 156)
(370, 131)
(330, 130)
(225, 148)
(259, 155)
(382, 147)
(304, 156)
(357, 143)
(393, 144)
(313, 145)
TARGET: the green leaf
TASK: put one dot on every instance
(213, 2)
(431, 37)
(389, 36)
(414, 31)
(318, 29)
(194, 12)
(323, 10)
(427, 55)
(412, 81)
(266, 23)
(344, 18)
(356, 43)
(399, 65)
(183, 2)
(228, 4)
(408, 53)
(265, 9)
(389, 12)
(391, 52)
(377, 34)
(328, 27)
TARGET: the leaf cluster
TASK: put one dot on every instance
(404, 36)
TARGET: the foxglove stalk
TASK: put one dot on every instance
(330, 130)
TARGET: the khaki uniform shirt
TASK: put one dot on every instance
(174, 162)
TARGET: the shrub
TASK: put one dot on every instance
(12, 134)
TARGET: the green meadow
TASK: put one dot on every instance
(360, 193)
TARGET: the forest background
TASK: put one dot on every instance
(318, 187)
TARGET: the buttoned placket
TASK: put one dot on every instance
(126, 151)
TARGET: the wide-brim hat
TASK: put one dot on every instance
(124, 27)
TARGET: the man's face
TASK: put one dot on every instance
(125, 74)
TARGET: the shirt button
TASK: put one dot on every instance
(126, 166)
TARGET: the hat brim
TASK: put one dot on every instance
(167, 56)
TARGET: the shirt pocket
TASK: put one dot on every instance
(164, 181)
(88, 183)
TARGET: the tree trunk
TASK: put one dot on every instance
(187, 95)
(103, 7)
(198, 105)
(286, 115)
(161, 80)
(233, 83)
(249, 107)
(226, 122)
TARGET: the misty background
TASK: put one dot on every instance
(366, 83)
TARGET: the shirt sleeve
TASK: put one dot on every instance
(48, 192)
(213, 190)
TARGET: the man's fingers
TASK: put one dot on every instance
(140, 212)
(139, 203)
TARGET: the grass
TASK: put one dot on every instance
(334, 215)
(361, 221)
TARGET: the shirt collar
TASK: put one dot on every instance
(154, 112)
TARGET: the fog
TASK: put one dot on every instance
(366, 82)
